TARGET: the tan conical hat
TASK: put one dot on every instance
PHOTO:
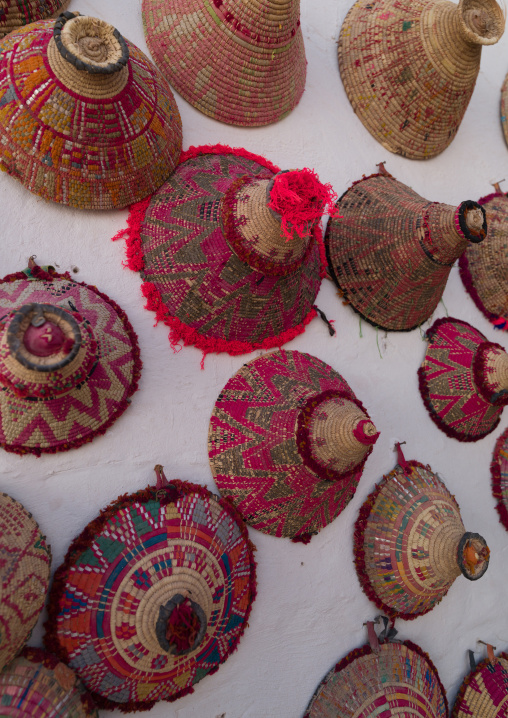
(15, 13)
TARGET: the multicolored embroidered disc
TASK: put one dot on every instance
(38, 685)
(499, 470)
(287, 443)
(391, 251)
(85, 119)
(25, 560)
(14, 13)
(463, 380)
(69, 362)
(484, 693)
(409, 67)
(153, 595)
(239, 61)
(484, 268)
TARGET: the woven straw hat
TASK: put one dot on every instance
(392, 251)
(499, 470)
(484, 268)
(69, 362)
(15, 13)
(463, 380)
(38, 685)
(153, 595)
(98, 127)
(410, 543)
(484, 693)
(239, 61)
(409, 67)
(223, 269)
(287, 443)
(25, 560)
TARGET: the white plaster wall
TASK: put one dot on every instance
(310, 609)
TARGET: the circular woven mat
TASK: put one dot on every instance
(258, 453)
(484, 693)
(239, 61)
(25, 560)
(499, 470)
(57, 139)
(400, 680)
(140, 553)
(70, 420)
(37, 685)
(14, 13)
(409, 71)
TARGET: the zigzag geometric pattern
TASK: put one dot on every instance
(484, 693)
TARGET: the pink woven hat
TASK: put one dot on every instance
(391, 251)
(230, 250)
(85, 118)
(69, 362)
(463, 380)
(14, 13)
(238, 61)
(287, 443)
(484, 692)
(499, 470)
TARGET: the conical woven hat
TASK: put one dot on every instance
(69, 362)
(239, 61)
(25, 560)
(484, 693)
(91, 123)
(287, 443)
(410, 543)
(14, 13)
(391, 251)
(484, 269)
(409, 67)
(38, 685)
(217, 263)
(153, 595)
(499, 469)
(463, 380)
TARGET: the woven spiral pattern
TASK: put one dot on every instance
(14, 13)
(141, 552)
(71, 137)
(400, 680)
(239, 61)
(38, 685)
(409, 68)
(260, 455)
(499, 470)
(25, 560)
(484, 693)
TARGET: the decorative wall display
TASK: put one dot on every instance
(15, 13)
(499, 470)
(484, 692)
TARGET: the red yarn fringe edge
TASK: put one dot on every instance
(83, 541)
(39, 273)
(462, 690)
(497, 320)
(495, 472)
(359, 552)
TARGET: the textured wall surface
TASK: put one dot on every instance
(310, 609)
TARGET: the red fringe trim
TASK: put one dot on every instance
(175, 490)
(497, 320)
(466, 682)
(495, 472)
(193, 152)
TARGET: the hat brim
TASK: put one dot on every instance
(499, 474)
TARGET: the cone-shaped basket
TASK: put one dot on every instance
(484, 693)
(499, 471)
(15, 13)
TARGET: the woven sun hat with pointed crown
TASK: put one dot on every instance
(69, 362)
(25, 560)
(463, 380)
(499, 471)
(409, 67)
(230, 250)
(85, 118)
(391, 251)
(240, 61)
(153, 595)
(287, 443)
(14, 13)
(484, 692)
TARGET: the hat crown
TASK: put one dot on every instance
(446, 231)
(481, 21)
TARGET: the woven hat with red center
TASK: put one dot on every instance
(409, 67)
(391, 251)
(14, 13)
(25, 560)
(153, 595)
(239, 61)
(484, 693)
(230, 251)
(410, 543)
(499, 471)
(69, 362)
(484, 268)
(85, 118)
(287, 443)
(38, 685)
(463, 380)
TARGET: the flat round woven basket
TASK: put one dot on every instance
(14, 13)
(38, 685)
(287, 443)
(25, 560)
(153, 595)
(86, 119)
(69, 362)
(397, 680)
(499, 472)
(239, 61)
(484, 693)
(409, 67)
